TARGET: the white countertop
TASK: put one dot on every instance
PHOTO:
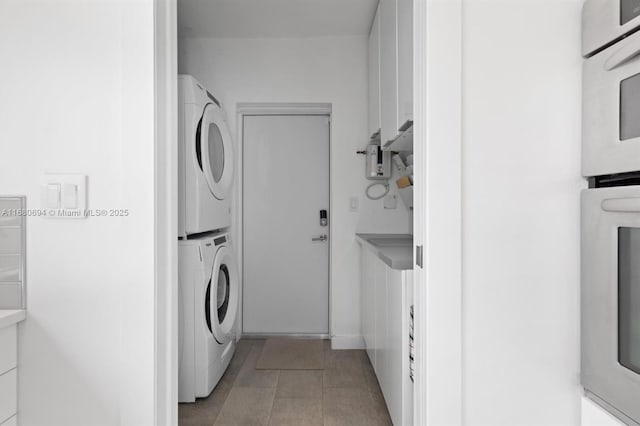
(11, 316)
(396, 250)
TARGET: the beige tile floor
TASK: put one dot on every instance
(346, 392)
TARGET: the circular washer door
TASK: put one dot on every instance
(222, 295)
(216, 152)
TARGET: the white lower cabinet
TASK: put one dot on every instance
(8, 394)
(386, 298)
(367, 304)
(8, 376)
(381, 347)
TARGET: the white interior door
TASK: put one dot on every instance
(285, 186)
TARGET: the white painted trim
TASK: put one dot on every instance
(283, 109)
(261, 108)
(239, 217)
(285, 335)
(166, 213)
(347, 342)
(437, 211)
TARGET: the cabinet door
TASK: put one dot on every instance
(407, 387)
(374, 75)
(8, 348)
(395, 320)
(367, 298)
(405, 60)
(388, 70)
(8, 394)
(382, 347)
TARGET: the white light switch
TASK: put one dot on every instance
(53, 196)
(64, 195)
(70, 196)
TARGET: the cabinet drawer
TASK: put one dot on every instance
(8, 394)
(8, 350)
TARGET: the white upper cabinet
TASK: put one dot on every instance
(396, 65)
(388, 69)
(405, 60)
(374, 75)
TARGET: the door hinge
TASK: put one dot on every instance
(419, 258)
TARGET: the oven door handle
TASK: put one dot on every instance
(623, 55)
(621, 205)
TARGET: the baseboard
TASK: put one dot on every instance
(284, 336)
(347, 342)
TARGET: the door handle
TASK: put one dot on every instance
(621, 205)
(322, 237)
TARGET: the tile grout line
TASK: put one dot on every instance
(322, 390)
(324, 366)
(273, 401)
(225, 399)
(233, 385)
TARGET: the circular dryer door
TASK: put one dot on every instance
(216, 152)
(222, 296)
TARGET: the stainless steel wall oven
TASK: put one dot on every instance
(610, 290)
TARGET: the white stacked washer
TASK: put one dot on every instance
(208, 275)
(205, 152)
(209, 294)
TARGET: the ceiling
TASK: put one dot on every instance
(274, 18)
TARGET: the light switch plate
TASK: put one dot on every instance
(72, 199)
(353, 204)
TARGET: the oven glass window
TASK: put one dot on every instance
(630, 108)
(629, 298)
(629, 9)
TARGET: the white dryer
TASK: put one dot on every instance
(209, 295)
(205, 161)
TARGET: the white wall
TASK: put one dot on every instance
(437, 77)
(521, 234)
(77, 95)
(332, 70)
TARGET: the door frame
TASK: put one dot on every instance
(166, 212)
(275, 108)
(437, 79)
(437, 69)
